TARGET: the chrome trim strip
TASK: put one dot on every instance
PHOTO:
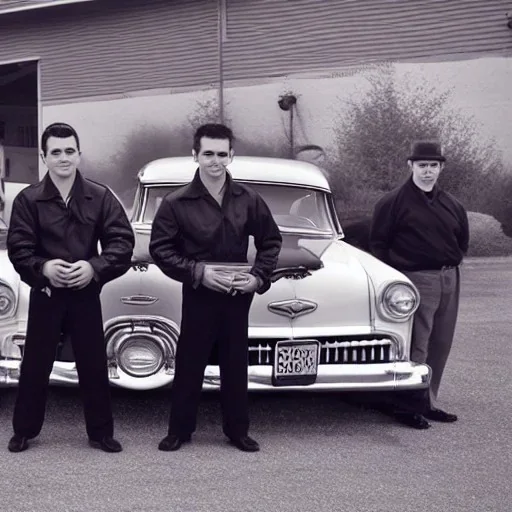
(324, 233)
(139, 300)
(140, 319)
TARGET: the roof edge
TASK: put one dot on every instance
(39, 5)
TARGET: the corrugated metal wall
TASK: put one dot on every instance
(115, 46)
(276, 37)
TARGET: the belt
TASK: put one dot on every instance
(439, 269)
(448, 267)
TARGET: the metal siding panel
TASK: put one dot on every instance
(91, 51)
(279, 37)
(130, 45)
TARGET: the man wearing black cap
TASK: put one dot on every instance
(423, 232)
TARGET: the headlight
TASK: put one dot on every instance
(399, 301)
(140, 357)
(7, 301)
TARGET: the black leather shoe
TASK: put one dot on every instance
(172, 442)
(245, 443)
(435, 414)
(413, 420)
(107, 444)
(17, 444)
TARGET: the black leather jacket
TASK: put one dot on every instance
(190, 228)
(42, 228)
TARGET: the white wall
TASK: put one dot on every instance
(481, 88)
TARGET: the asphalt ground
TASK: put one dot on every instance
(320, 452)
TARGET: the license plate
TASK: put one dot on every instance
(295, 362)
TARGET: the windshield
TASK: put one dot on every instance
(293, 208)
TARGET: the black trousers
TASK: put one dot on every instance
(79, 314)
(210, 317)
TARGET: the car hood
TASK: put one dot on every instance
(332, 283)
(337, 284)
(339, 289)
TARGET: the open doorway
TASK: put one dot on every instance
(19, 122)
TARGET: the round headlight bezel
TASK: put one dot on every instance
(8, 297)
(144, 344)
(385, 297)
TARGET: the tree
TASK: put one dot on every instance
(374, 137)
(149, 141)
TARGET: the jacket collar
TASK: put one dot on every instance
(197, 189)
(78, 190)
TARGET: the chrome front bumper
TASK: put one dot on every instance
(384, 376)
(346, 377)
(340, 377)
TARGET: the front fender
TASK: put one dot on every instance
(380, 274)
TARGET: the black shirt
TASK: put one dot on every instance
(411, 231)
(43, 228)
(191, 228)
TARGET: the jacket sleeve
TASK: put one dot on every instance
(116, 239)
(267, 240)
(22, 244)
(381, 230)
(165, 249)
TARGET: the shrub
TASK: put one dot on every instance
(487, 237)
(502, 206)
(374, 136)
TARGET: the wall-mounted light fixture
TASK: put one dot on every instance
(287, 101)
(509, 18)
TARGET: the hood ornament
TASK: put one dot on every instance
(292, 308)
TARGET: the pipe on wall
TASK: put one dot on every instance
(221, 37)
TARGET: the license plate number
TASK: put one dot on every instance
(296, 362)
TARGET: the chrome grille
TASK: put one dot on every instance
(357, 352)
(262, 353)
(334, 350)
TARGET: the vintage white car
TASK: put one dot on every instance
(335, 318)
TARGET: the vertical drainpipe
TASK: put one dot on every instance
(287, 103)
(221, 35)
(292, 143)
